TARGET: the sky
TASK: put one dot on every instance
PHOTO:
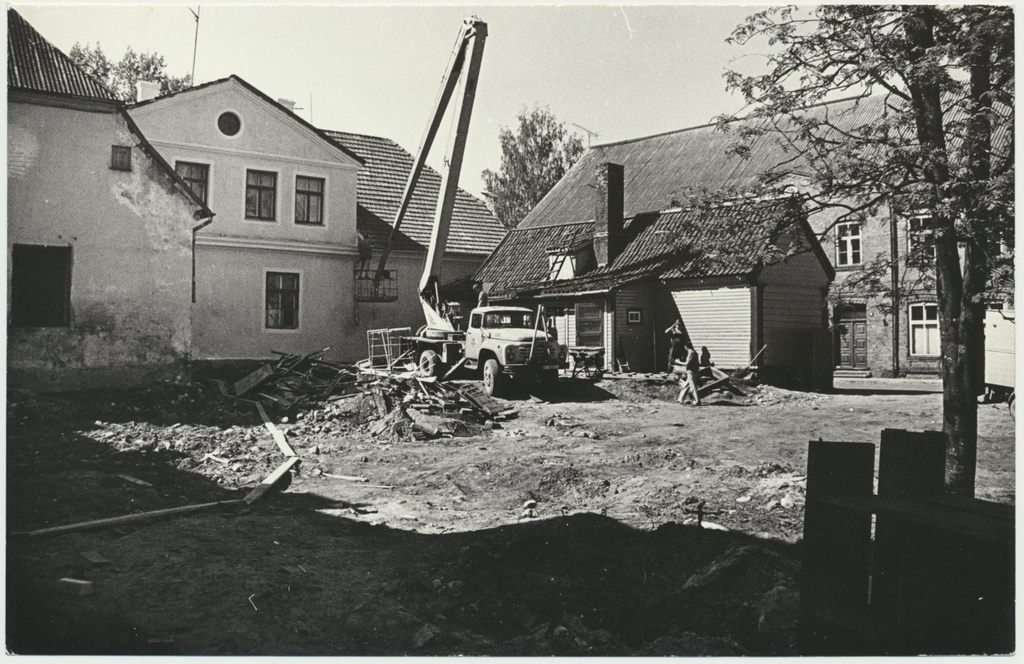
(620, 72)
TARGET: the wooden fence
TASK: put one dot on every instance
(907, 571)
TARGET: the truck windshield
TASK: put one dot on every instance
(505, 319)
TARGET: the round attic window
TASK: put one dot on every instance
(229, 124)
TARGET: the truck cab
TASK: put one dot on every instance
(507, 342)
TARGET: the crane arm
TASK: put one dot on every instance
(471, 39)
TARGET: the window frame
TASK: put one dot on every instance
(61, 303)
(206, 183)
(844, 244)
(308, 195)
(634, 316)
(364, 291)
(923, 323)
(267, 274)
(121, 158)
(914, 236)
(260, 188)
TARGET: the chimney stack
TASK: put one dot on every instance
(287, 103)
(608, 221)
(146, 90)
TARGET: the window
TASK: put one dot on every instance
(508, 319)
(561, 266)
(848, 244)
(309, 200)
(229, 124)
(40, 286)
(282, 301)
(634, 316)
(120, 158)
(475, 320)
(920, 241)
(197, 176)
(385, 291)
(924, 329)
(260, 195)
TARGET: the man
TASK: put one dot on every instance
(676, 341)
(688, 378)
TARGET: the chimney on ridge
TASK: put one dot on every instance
(608, 235)
(287, 103)
(146, 90)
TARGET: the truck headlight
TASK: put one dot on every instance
(510, 354)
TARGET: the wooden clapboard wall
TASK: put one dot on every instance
(721, 319)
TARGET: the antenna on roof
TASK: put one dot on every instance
(195, 44)
(590, 134)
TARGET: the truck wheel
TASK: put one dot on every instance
(430, 363)
(494, 382)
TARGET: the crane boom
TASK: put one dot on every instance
(464, 66)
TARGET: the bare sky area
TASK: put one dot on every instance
(619, 71)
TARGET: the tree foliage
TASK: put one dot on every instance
(533, 159)
(120, 77)
(933, 132)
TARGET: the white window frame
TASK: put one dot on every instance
(926, 324)
(564, 272)
(295, 194)
(916, 236)
(847, 242)
(277, 194)
(209, 176)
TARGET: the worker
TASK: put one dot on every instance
(481, 294)
(688, 378)
(676, 341)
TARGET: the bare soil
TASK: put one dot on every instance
(434, 552)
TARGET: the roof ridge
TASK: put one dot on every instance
(713, 124)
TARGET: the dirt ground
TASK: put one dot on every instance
(424, 546)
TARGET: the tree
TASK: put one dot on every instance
(532, 160)
(121, 77)
(939, 139)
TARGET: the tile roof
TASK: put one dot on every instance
(37, 65)
(474, 230)
(677, 244)
(665, 166)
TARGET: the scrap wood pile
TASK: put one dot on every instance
(404, 404)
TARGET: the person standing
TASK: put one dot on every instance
(688, 379)
(676, 342)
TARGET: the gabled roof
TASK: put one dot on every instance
(36, 65)
(259, 93)
(474, 230)
(664, 167)
(729, 240)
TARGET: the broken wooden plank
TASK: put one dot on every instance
(712, 385)
(253, 380)
(128, 518)
(476, 396)
(271, 479)
(350, 478)
(133, 480)
(78, 587)
(455, 367)
(278, 435)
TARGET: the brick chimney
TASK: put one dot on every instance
(146, 90)
(608, 236)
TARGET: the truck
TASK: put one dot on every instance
(499, 342)
(1000, 378)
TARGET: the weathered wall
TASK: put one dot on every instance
(793, 299)
(635, 341)
(130, 236)
(230, 307)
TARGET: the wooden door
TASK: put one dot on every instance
(590, 324)
(853, 344)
